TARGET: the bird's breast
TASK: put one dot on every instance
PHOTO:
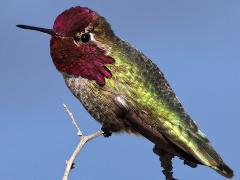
(98, 101)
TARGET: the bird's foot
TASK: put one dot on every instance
(106, 132)
(166, 162)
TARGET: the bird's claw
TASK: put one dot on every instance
(106, 133)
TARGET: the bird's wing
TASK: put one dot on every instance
(201, 152)
(127, 112)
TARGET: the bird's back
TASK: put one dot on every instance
(145, 87)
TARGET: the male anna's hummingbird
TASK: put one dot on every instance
(124, 90)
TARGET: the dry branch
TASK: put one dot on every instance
(83, 140)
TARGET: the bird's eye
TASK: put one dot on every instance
(85, 37)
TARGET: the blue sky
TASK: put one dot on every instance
(195, 43)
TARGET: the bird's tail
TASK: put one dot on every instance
(224, 170)
(209, 157)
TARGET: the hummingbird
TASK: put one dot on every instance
(124, 90)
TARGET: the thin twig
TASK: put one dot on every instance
(83, 140)
(70, 114)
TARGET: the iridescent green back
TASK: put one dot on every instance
(144, 85)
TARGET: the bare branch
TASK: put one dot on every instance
(83, 140)
(70, 114)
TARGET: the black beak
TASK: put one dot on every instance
(44, 30)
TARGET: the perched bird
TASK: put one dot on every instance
(124, 90)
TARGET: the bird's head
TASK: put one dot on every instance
(81, 44)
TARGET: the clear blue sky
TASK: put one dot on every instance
(195, 43)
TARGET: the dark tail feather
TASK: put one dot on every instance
(224, 170)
